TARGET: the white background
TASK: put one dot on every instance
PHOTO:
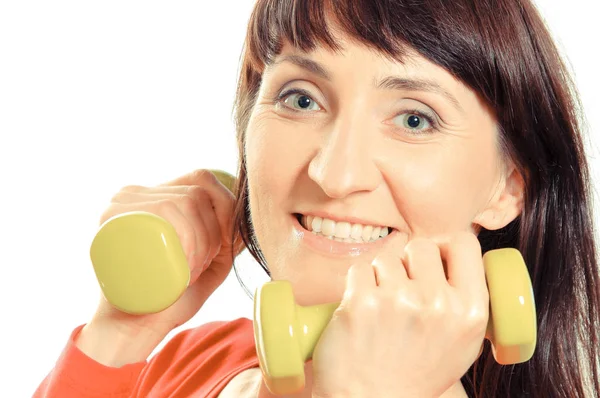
(98, 95)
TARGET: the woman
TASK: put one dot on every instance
(408, 139)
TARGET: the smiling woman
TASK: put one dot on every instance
(352, 151)
(384, 147)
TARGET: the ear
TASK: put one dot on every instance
(506, 203)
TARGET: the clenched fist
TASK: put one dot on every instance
(200, 209)
(408, 325)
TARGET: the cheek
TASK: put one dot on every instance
(257, 156)
(272, 152)
(271, 163)
(443, 193)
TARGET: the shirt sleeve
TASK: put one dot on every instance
(200, 362)
(77, 375)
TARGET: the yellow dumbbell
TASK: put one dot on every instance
(286, 333)
(141, 268)
(139, 261)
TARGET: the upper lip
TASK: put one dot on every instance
(351, 220)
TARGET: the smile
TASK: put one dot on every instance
(343, 231)
(340, 237)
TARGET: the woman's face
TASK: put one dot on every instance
(357, 146)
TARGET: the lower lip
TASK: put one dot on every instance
(327, 246)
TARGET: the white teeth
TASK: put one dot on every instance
(316, 224)
(357, 231)
(328, 227)
(384, 232)
(343, 231)
(367, 232)
(375, 233)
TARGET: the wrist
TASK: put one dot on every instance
(115, 345)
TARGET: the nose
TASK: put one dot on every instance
(345, 164)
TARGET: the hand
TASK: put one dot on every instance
(403, 327)
(200, 209)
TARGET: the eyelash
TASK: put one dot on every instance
(289, 92)
(425, 115)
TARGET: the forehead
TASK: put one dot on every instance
(355, 59)
(371, 62)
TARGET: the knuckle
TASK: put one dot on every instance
(132, 188)
(421, 245)
(118, 197)
(437, 304)
(356, 268)
(196, 191)
(478, 314)
(479, 320)
(203, 176)
(407, 303)
(477, 323)
(187, 203)
(344, 314)
(466, 240)
(369, 302)
(350, 297)
(124, 192)
(165, 207)
(359, 307)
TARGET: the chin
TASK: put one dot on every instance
(315, 281)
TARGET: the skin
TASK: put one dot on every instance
(352, 153)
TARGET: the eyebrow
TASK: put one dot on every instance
(307, 64)
(400, 83)
(390, 82)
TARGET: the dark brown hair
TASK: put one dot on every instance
(503, 51)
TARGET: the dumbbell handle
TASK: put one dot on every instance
(311, 322)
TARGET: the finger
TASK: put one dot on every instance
(464, 263)
(197, 246)
(238, 245)
(149, 195)
(360, 279)
(165, 209)
(423, 262)
(389, 271)
(205, 177)
(203, 210)
(196, 206)
(196, 177)
(222, 200)
(221, 197)
(182, 195)
(133, 193)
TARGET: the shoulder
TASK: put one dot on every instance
(234, 339)
(199, 360)
(240, 328)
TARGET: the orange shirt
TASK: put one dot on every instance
(195, 363)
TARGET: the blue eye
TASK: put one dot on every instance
(298, 100)
(416, 121)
